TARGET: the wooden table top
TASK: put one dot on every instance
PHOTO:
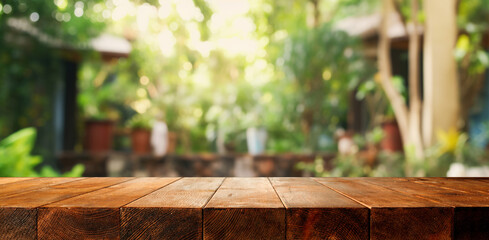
(244, 208)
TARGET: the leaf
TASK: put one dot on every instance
(76, 171)
(483, 58)
(463, 43)
(448, 140)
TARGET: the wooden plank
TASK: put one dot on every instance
(5, 180)
(17, 223)
(471, 207)
(394, 215)
(172, 212)
(95, 215)
(31, 184)
(244, 208)
(317, 212)
(18, 212)
(53, 193)
(20, 223)
(479, 185)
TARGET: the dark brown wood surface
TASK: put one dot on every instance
(473, 184)
(394, 215)
(19, 222)
(94, 215)
(18, 212)
(173, 212)
(471, 207)
(244, 208)
(317, 212)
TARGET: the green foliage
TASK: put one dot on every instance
(38, 38)
(372, 138)
(99, 91)
(17, 160)
(324, 65)
(473, 15)
(451, 147)
(378, 105)
(470, 54)
(140, 121)
(317, 167)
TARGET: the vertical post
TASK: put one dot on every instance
(441, 97)
(70, 105)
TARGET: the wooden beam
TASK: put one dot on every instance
(244, 208)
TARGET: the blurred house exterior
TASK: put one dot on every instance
(59, 132)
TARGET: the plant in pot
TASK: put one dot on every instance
(140, 133)
(95, 100)
(256, 133)
(381, 113)
(222, 127)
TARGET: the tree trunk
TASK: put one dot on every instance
(316, 12)
(415, 105)
(441, 97)
(384, 62)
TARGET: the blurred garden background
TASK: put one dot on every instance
(244, 88)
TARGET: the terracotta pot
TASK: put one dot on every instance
(98, 135)
(392, 137)
(172, 142)
(140, 141)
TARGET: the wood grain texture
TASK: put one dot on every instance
(477, 185)
(95, 215)
(471, 207)
(317, 212)
(172, 212)
(244, 208)
(31, 184)
(19, 211)
(53, 193)
(4, 180)
(394, 215)
(18, 223)
(471, 223)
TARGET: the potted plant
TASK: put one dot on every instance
(256, 139)
(256, 133)
(392, 140)
(140, 134)
(381, 112)
(95, 102)
(98, 135)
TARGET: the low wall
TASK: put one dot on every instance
(117, 164)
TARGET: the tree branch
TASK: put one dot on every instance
(397, 7)
(414, 88)
(396, 99)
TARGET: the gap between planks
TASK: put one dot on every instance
(343, 194)
(207, 202)
(86, 192)
(283, 204)
(178, 179)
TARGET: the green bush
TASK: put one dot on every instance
(17, 161)
(140, 121)
(451, 147)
